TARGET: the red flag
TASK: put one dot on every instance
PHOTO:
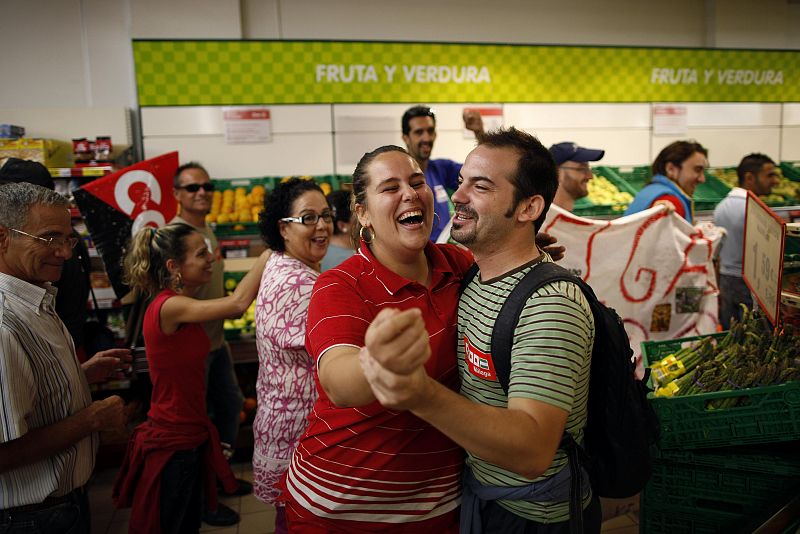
(116, 206)
(142, 191)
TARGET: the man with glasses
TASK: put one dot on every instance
(48, 423)
(574, 172)
(194, 191)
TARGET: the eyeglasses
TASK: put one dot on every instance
(52, 242)
(310, 219)
(581, 170)
(194, 188)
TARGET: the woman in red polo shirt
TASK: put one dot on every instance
(359, 467)
(177, 450)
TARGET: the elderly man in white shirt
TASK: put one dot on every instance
(48, 423)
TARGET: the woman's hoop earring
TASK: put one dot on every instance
(178, 283)
(369, 232)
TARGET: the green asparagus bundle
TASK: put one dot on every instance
(752, 354)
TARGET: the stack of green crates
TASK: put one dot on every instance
(726, 469)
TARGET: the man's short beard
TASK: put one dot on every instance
(466, 239)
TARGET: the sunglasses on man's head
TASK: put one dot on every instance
(194, 188)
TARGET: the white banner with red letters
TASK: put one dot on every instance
(653, 267)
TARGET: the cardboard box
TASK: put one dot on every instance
(49, 152)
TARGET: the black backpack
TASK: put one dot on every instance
(621, 425)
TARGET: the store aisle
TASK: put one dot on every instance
(257, 517)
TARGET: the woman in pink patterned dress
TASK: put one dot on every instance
(296, 224)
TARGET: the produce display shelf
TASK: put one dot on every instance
(768, 414)
(80, 172)
(732, 180)
(335, 181)
(223, 230)
(586, 207)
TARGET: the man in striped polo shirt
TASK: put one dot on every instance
(516, 479)
(48, 422)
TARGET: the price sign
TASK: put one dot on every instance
(763, 255)
(247, 125)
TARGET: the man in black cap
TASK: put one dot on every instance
(73, 286)
(574, 172)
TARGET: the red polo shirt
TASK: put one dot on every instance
(369, 469)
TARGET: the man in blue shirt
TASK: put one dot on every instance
(419, 133)
(756, 173)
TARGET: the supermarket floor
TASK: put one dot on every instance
(257, 517)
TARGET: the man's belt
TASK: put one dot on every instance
(49, 502)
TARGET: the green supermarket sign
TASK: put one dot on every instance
(193, 73)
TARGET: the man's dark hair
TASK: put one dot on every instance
(277, 205)
(676, 153)
(536, 174)
(176, 180)
(340, 202)
(413, 113)
(752, 163)
(20, 170)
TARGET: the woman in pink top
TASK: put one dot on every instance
(296, 224)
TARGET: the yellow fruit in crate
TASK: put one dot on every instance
(603, 192)
(244, 216)
(326, 188)
(286, 178)
(223, 218)
(211, 217)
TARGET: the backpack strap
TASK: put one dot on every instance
(508, 318)
(468, 276)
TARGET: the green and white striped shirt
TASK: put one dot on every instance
(550, 362)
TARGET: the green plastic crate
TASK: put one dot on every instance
(655, 518)
(710, 193)
(772, 413)
(791, 170)
(636, 176)
(775, 459)
(709, 489)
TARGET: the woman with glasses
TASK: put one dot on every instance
(176, 455)
(296, 224)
